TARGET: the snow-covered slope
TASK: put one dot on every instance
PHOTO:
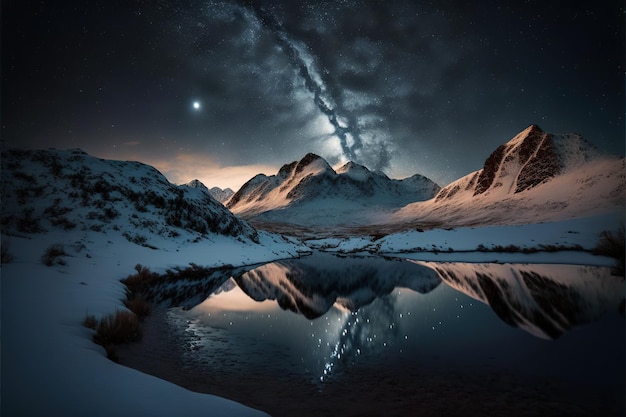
(534, 177)
(47, 190)
(51, 367)
(105, 217)
(310, 192)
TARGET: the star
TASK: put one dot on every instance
(196, 105)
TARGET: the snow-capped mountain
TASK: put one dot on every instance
(309, 192)
(216, 192)
(221, 195)
(544, 300)
(534, 177)
(44, 190)
(197, 184)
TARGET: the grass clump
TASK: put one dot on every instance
(53, 255)
(118, 328)
(123, 326)
(140, 282)
(139, 305)
(115, 329)
(137, 285)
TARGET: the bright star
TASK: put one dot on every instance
(196, 105)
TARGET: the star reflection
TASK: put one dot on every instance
(357, 336)
(315, 318)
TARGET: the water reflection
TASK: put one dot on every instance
(311, 286)
(362, 310)
(351, 298)
(545, 300)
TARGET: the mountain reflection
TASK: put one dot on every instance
(311, 286)
(545, 300)
(352, 298)
(350, 307)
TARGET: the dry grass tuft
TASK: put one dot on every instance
(140, 306)
(54, 255)
(117, 328)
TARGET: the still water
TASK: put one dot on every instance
(328, 335)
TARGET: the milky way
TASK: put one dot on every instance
(404, 87)
(314, 86)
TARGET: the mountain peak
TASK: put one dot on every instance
(533, 128)
(197, 184)
(310, 157)
(531, 158)
(310, 191)
(350, 165)
(355, 171)
(314, 162)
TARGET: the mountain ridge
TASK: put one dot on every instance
(47, 190)
(221, 195)
(312, 186)
(534, 157)
(534, 177)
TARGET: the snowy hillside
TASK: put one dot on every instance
(309, 192)
(72, 227)
(48, 190)
(534, 177)
(51, 366)
(197, 184)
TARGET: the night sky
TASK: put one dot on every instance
(430, 87)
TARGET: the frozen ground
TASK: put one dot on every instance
(462, 244)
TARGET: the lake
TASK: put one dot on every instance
(368, 336)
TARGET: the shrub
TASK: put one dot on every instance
(90, 321)
(115, 329)
(27, 223)
(138, 283)
(111, 213)
(5, 256)
(138, 239)
(482, 248)
(612, 244)
(139, 305)
(53, 255)
(63, 222)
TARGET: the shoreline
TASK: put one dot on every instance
(388, 388)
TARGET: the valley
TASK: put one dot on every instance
(74, 226)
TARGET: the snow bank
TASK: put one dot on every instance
(462, 244)
(50, 366)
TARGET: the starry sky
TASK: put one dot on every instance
(223, 90)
